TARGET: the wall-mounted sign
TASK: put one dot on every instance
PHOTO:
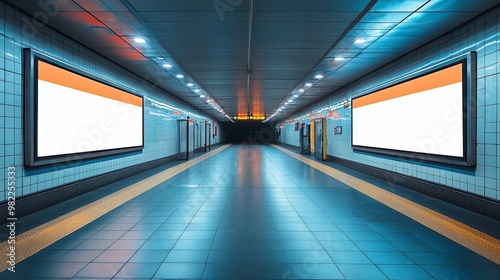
(337, 130)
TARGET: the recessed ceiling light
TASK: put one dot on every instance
(202, 96)
(339, 58)
(196, 90)
(309, 85)
(301, 90)
(319, 77)
(190, 84)
(167, 65)
(360, 41)
(179, 76)
(160, 58)
(139, 40)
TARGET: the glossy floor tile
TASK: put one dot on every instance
(253, 212)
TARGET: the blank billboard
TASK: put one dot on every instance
(428, 115)
(74, 114)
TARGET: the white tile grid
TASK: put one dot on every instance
(157, 145)
(481, 35)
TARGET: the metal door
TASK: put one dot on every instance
(187, 138)
(191, 138)
(183, 139)
(320, 139)
(208, 136)
(305, 139)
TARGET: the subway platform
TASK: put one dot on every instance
(254, 212)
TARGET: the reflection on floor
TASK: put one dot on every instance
(253, 212)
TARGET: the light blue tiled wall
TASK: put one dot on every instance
(481, 35)
(289, 135)
(160, 131)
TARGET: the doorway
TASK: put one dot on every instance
(320, 139)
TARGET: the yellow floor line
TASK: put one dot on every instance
(34, 240)
(477, 241)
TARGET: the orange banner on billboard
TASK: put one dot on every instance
(434, 80)
(53, 74)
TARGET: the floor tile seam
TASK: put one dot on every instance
(489, 246)
(43, 235)
(88, 264)
(306, 223)
(183, 204)
(220, 217)
(394, 245)
(403, 192)
(359, 249)
(315, 238)
(407, 254)
(281, 169)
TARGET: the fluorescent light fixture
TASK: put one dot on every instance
(301, 90)
(339, 58)
(179, 76)
(190, 84)
(319, 77)
(139, 40)
(309, 84)
(360, 41)
(167, 65)
(202, 96)
(196, 90)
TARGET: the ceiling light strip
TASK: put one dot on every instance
(184, 78)
(341, 37)
(361, 41)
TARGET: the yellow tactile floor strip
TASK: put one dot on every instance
(475, 240)
(34, 240)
